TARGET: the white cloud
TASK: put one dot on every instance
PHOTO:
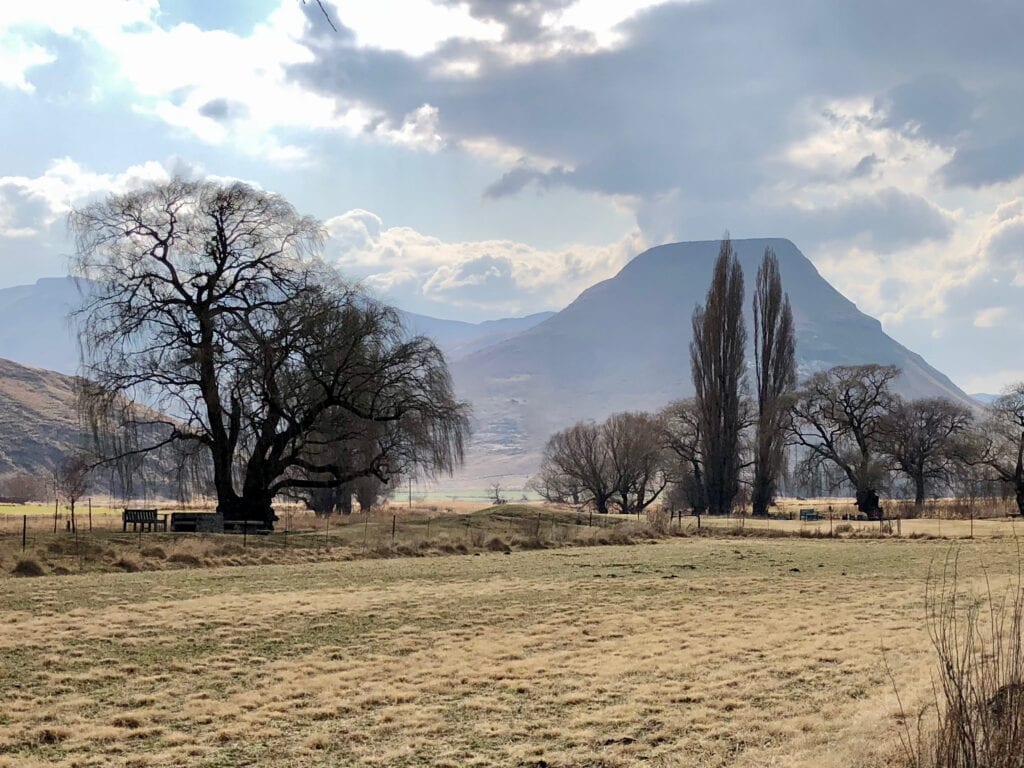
(415, 27)
(479, 278)
(991, 317)
(17, 56)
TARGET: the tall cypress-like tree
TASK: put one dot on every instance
(775, 367)
(717, 360)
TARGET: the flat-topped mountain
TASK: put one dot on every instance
(623, 344)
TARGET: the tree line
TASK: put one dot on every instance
(749, 427)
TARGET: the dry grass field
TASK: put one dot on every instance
(687, 652)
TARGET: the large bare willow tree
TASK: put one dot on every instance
(211, 327)
(719, 377)
(775, 370)
(840, 418)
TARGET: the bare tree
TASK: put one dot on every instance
(998, 445)
(578, 456)
(622, 459)
(839, 416)
(210, 308)
(922, 437)
(680, 436)
(496, 492)
(775, 366)
(24, 487)
(717, 360)
(71, 481)
(637, 459)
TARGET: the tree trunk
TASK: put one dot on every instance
(868, 502)
(918, 492)
(602, 505)
(1019, 487)
(255, 507)
(761, 493)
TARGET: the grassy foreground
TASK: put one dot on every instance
(688, 652)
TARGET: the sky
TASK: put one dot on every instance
(476, 159)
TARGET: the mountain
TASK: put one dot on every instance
(34, 326)
(623, 344)
(458, 338)
(984, 398)
(38, 419)
(35, 330)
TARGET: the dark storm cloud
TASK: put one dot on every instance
(702, 99)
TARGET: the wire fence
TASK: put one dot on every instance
(96, 539)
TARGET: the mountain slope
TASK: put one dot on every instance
(38, 421)
(623, 344)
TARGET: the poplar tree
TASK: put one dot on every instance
(717, 362)
(775, 369)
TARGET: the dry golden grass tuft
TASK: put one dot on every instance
(691, 652)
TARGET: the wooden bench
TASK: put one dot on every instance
(809, 514)
(148, 519)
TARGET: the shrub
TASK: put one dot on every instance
(497, 545)
(979, 701)
(26, 566)
(127, 564)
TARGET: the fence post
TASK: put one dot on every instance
(55, 503)
(327, 531)
(24, 531)
(245, 533)
(394, 525)
(366, 523)
(90, 514)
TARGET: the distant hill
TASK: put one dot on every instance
(459, 339)
(35, 330)
(34, 327)
(984, 398)
(623, 344)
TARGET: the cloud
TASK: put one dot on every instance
(474, 279)
(17, 57)
(885, 221)
(983, 165)
(33, 236)
(933, 105)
